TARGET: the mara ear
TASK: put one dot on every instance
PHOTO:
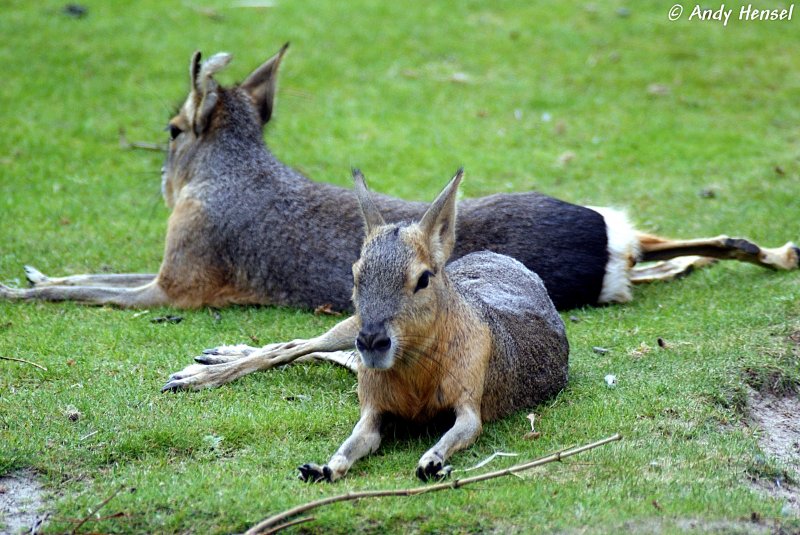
(439, 222)
(372, 217)
(194, 69)
(205, 90)
(260, 85)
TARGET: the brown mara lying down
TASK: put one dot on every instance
(478, 337)
(247, 229)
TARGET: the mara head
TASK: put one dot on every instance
(211, 109)
(400, 277)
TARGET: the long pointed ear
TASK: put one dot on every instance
(439, 222)
(260, 85)
(194, 69)
(205, 90)
(372, 217)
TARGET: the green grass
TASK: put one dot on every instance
(371, 84)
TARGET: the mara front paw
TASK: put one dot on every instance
(314, 473)
(199, 376)
(431, 466)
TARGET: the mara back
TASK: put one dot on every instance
(530, 352)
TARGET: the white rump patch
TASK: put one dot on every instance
(623, 251)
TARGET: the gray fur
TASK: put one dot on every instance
(529, 359)
(259, 232)
(291, 241)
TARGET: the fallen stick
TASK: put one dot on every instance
(278, 522)
(96, 509)
(25, 361)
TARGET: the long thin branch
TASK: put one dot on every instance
(25, 361)
(96, 509)
(289, 524)
(268, 525)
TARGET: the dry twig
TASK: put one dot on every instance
(25, 361)
(96, 509)
(277, 522)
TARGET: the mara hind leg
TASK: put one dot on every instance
(666, 270)
(655, 248)
(38, 279)
(142, 296)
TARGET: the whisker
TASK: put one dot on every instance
(415, 355)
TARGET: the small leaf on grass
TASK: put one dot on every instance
(566, 157)
(658, 89)
(75, 10)
(707, 193)
(795, 337)
(640, 351)
(326, 310)
(600, 350)
(460, 78)
(297, 397)
(167, 319)
(663, 344)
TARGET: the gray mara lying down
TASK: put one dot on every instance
(246, 228)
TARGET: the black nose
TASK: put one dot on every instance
(373, 337)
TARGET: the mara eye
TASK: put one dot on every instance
(423, 281)
(174, 131)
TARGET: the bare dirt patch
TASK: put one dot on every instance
(21, 502)
(778, 422)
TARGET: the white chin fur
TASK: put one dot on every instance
(623, 250)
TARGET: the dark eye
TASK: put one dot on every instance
(174, 131)
(423, 281)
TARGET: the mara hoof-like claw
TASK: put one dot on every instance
(238, 350)
(314, 473)
(34, 276)
(172, 386)
(433, 471)
(210, 358)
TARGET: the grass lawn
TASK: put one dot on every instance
(600, 103)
